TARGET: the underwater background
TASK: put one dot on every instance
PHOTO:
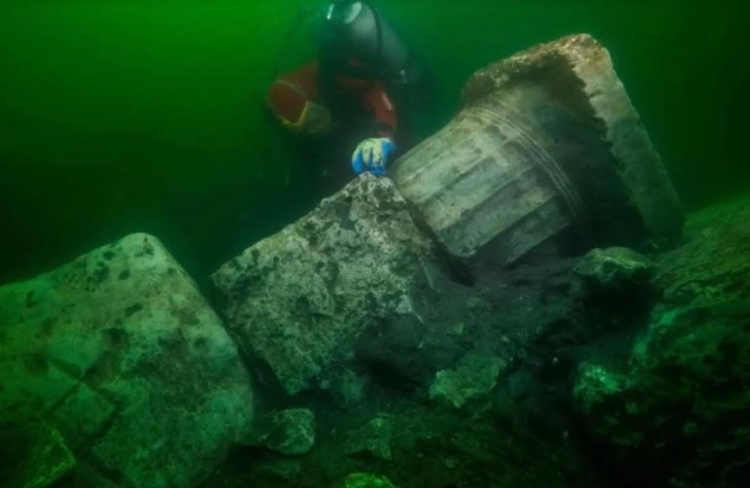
(125, 116)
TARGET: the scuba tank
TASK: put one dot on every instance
(354, 29)
(351, 29)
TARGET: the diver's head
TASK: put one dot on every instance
(335, 27)
(342, 11)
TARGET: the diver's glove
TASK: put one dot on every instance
(372, 155)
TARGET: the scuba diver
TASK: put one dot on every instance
(355, 102)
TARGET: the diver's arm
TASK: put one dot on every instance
(374, 153)
(303, 81)
(292, 100)
(377, 100)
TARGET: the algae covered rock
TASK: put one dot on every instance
(366, 480)
(473, 378)
(595, 384)
(714, 263)
(120, 353)
(615, 268)
(679, 409)
(373, 439)
(290, 432)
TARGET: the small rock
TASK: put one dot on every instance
(457, 330)
(348, 386)
(366, 480)
(596, 383)
(374, 439)
(474, 377)
(290, 432)
(614, 268)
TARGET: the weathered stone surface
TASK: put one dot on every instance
(714, 263)
(289, 431)
(547, 141)
(299, 299)
(615, 268)
(473, 378)
(119, 351)
(678, 410)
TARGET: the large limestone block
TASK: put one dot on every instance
(119, 351)
(299, 299)
(547, 141)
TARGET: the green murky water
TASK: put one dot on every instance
(125, 116)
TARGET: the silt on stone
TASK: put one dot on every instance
(547, 146)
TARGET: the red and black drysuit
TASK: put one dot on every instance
(359, 108)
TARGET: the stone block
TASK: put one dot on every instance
(120, 352)
(299, 300)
